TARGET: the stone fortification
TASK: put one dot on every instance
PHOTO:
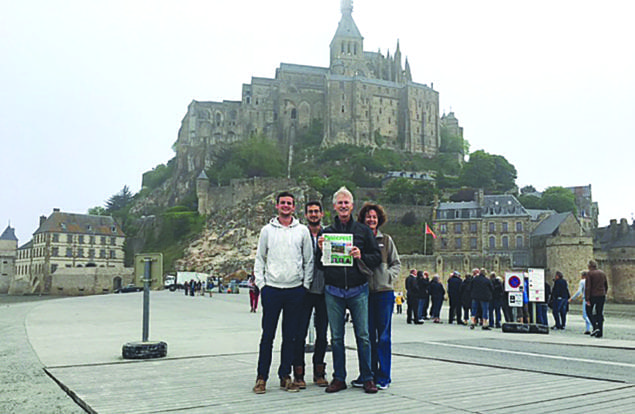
(362, 98)
(615, 252)
(89, 281)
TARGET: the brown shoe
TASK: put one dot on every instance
(288, 385)
(335, 386)
(319, 375)
(369, 387)
(298, 377)
(261, 386)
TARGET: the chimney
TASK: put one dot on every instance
(42, 220)
(623, 229)
(56, 210)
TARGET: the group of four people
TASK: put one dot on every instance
(294, 282)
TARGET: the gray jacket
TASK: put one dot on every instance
(383, 277)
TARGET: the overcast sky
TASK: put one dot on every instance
(93, 92)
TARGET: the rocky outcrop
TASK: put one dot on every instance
(229, 241)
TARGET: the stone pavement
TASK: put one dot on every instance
(212, 355)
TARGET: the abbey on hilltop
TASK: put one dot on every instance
(362, 98)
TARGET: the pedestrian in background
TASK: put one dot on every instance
(560, 294)
(595, 294)
(580, 293)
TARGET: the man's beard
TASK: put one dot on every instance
(314, 223)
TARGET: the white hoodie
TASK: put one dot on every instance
(284, 258)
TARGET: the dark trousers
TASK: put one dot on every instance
(595, 312)
(413, 312)
(289, 303)
(466, 311)
(312, 301)
(455, 309)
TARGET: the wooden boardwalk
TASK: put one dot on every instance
(222, 384)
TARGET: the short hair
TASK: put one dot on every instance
(583, 274)
(342, 191)
(559, 274)
(284, 194)
(593, 264)
(484, 271)
(381, 214)
(312, 203)
(475, 270)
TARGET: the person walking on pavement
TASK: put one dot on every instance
(347, 288)
(560, 295)
(454, 297)
(283, 271)
(423, 290)
(254, 293)
(315, 304)
(580, 293)
(595, 295)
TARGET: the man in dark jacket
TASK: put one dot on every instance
(423, 291)
(481, 296)
(560, 298)
(466, 297)
(347, 288)
(413, 298)
(595, 294)
(497, 298)
(454, 297)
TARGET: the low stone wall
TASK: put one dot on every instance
(90, 281)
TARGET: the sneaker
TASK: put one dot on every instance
(370, 387)
(486, 328)
(471, 326)
(261, 386)
(357, 383)
(287, 384)
(335, 386)
(587, 332)
(595, 332)
(382, 386)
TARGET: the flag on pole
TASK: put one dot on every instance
(429, 231)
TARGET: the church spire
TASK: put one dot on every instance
(347, 7)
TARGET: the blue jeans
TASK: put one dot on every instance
(495, 312)
(541, 313)
(560, 312)
(380, 306)
(484, 307)
(320, 321)
(336, 308)
(585, 316)
(275, 301)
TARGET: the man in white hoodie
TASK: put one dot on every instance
(283, 272)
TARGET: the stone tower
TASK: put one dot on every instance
(8, 251)
(347, 46)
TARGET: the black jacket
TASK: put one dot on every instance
(437, 291)
(498, 290)
(423, 287)
(560, 289)
(364, 239)
(466, 291)
(454, 287)
(411, 287)
(482, 288)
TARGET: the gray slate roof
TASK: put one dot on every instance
(550, 224)
(81, 224)
(8, 234)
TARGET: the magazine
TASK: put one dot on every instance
(336, 249)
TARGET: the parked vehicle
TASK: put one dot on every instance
(129, 288)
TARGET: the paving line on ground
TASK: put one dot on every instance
(620, 364)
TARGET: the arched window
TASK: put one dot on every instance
(519, 242)
(492, 242)
(505, 242)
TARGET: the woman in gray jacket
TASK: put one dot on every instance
(382, 295)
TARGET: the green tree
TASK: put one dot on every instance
(528, 189)
(559, 199)
(490, 172)
(120, 200)
(97, 211)
(530, 201)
